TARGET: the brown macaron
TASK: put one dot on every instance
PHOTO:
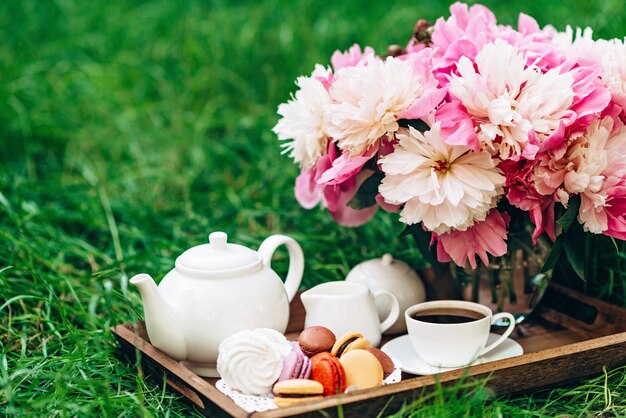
(317, 339)
(385, 361)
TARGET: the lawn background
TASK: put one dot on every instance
(130, 130)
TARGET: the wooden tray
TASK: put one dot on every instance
(569, 337)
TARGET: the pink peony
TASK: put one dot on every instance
(338, 196)
(486, 237)
(521, 193)
(549, 172)
(598, 169)
(463, 34)
(583, 166)
(609, 216)
(524, 116)
(314, 186)
(351, 58)
(616, 210)
(513, 108)
(308, 193)
(534, 42)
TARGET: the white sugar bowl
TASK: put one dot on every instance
(397, 277)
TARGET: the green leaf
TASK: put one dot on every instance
(366, 195)
(416, 124)
(554, 255)
(5, 202)
(412, 229)
(570, 214)
(615, 245)
(422, 239)
(520, 241)
(575, 259)
(2, 270)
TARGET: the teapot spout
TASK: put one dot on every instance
(163, 322)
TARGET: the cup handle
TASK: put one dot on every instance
(296, 260)
(504, 336)
(395, 309)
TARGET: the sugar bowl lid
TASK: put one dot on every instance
(218, 256)
(384, 266)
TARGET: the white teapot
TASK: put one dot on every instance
(215, 290)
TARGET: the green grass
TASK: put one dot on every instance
(130, 130)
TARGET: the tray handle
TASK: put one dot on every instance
(186, 391)
(575, 310)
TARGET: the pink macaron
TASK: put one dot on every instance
(295, 365)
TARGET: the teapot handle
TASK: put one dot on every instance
(296, 260)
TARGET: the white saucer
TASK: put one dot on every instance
(401, 349)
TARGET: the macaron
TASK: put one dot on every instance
(350, 341)
(317, 339)
(328, 371)
(295, 365)
(385, 361)
(362, 368)
(293, 391)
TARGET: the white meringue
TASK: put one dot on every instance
(251, 360)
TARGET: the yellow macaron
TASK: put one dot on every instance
(350, 341)
(362, 368)
(294, 391)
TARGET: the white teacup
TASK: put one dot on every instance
(453, 344)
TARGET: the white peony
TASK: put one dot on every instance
(580, 46)
(302, 122)
(613, 58)
(444, 186)
(368, 101)
(577, 43)
(510, 100)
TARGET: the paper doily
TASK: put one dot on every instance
(249, 403)
(253, 403)
(396, 375)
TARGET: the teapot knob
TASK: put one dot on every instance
(387, 260)
(217, 240)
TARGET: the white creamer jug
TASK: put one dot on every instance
(348, 307)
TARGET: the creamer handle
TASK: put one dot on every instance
(392, 317)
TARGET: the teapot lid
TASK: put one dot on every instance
(218, 256)
(384, 266)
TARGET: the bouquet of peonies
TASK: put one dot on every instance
(474, 132)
